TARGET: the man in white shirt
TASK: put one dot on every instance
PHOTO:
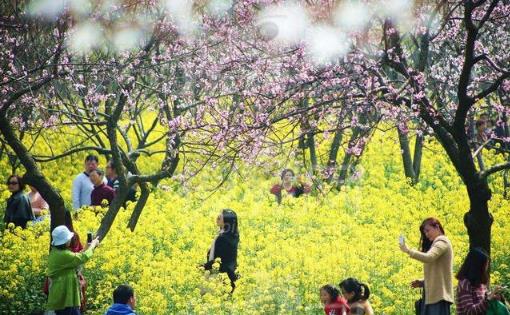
(82, 186)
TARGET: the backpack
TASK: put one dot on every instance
(497, 308)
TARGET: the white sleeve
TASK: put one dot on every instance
(76, 192)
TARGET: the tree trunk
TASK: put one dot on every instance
(114, 113)
(406, 155)
(418, 153)
(333, 153)
(111, 214)
(140, 204)
(307, 139)
(478, 220)
(33, 175)
(479, 159)
(412, 165)
(344, 168)
(313, 154)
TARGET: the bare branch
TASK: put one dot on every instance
(43, 158)
(494, 169)
(493, 87)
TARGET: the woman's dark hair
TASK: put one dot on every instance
(332, 291)
(112, 165)
(480, 123)
(92, 157)
(299, 190)
(69, 223)
(285, 171)
(360, 290)
(424, 241)
(230, 220)
(61, 247)
(475, 268)
(21, 184)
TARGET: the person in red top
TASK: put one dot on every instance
(334, 304)
(101, 190)
(290, 185)
(76, 247)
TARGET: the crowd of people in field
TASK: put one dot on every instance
(65, 285)
(93, 187)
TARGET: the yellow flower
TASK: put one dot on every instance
(286, 252)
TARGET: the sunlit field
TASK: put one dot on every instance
(286, 253)
(380, 107)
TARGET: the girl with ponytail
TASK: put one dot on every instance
(357, 295)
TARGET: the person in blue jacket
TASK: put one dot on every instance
(124, 301)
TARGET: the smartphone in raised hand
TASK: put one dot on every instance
(401, 239)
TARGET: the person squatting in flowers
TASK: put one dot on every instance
(290, 185)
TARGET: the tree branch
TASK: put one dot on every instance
(493, 87)
(494, 169)
(42, 158)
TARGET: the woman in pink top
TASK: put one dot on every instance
(37, 202)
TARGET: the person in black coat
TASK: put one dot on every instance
(18, 210)
(225, 245)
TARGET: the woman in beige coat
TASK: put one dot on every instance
(437, 257)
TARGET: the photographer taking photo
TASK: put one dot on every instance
(64, 286)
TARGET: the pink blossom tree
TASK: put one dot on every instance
(237, 82)
(454, 68)
(427, 67)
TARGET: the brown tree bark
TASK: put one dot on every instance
(412, 165)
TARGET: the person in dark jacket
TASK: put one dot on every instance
(18, 210)
(225, 245)
(124, 301)
(113, 181)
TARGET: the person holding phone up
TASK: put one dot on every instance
(436, 254)
(64, 286)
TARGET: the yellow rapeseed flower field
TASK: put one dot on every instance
(286, 251)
